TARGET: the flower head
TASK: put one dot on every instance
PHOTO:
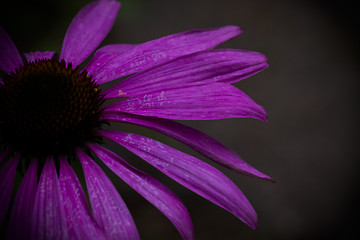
(52, 114)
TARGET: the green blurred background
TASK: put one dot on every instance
(310, 92)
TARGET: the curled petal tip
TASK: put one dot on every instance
(270, 179)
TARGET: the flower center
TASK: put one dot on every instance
(48, 108)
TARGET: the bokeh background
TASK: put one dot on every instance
(309, 145)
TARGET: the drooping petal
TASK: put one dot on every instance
(10, 58)
(7, 178)
(219, 65)
(205, 102)
(152, 190)
(22, 210)
(81, 223)
(195, 139)
(189, 171)
(108, 207)
(109, 65)
(49, 218)
(5, 154)
(87, 30)
(115, 48)
(33, 56)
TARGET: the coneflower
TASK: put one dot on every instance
(52, 113)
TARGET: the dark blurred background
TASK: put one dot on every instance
(310, 91)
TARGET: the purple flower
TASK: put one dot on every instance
(52, 114)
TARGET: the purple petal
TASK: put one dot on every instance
(109, 209)
(190, 172)
(81, 223)
(34, 56)
(1, 81)
(195, 139)
(87, 30)
(109, 65)
(10, 58)
(200, 68)
(115, 48)
(7, 178)
(49, 218)
(152, 190)
(22, 211)
(205, 102)
(5, 154)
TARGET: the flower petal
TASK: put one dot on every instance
(205, 102)
(10, 58)
(87, 30)
(152, 190)
(7, 178)
(109, 209)
(80, 222)
(22, 210)
(115, 48)
(195, 139)
(33, 56)
(219, 65)
(4, 154)
(190, 172)
(109, 65)
(49, 218)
